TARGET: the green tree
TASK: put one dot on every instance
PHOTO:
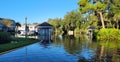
(55, 22)
(72, 20)
(115, 11)
(97, 7)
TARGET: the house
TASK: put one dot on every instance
(31, 28)
(7, 24)
(13, 26)
(1, 26)
(44, 29)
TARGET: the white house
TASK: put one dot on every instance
(31, 29)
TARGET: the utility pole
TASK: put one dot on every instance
(26, 28)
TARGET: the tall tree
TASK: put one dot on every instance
(55, 22)
(72, 19)
(115, 12)
(97, 7)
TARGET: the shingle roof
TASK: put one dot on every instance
(44, 24)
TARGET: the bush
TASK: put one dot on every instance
(5, 37)
(108, 34)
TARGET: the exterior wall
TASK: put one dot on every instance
(31, 29)
(22, 28)
(40, 27)
(44, 32)
(1, 27)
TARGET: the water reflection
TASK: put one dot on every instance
(90, 51)
(107, 52)
(77, 48)
(23, 36)
(45, 43)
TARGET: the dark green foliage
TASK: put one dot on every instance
(106, 11)
(95, 32)
(71, 21)
(108, 34)
(5, 37)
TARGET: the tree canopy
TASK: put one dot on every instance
(107, 11)
(7, 22)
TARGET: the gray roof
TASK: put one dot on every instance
(45, 24)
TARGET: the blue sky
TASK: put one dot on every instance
(36, 10)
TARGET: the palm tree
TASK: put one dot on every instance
(17, 25)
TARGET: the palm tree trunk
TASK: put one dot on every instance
(101, 18)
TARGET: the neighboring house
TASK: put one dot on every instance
(4, 22)
(12, 28)
(1, 26)
(31, 29)
(44, 29)
(91, 28)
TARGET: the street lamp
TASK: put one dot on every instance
(26, 28)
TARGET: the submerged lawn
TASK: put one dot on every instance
(21, 42)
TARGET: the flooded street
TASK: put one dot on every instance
(66, 49)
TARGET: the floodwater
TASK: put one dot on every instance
(66, 49)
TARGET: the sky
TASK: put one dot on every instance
(36, 11)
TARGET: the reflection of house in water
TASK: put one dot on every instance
(44, 29)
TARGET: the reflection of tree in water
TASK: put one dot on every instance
(79, 47)
(101, 51)
(71, 45)
(106, 52)
(56, 40)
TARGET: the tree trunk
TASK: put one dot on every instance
(101, 18)
(117, 24)
(17, 29)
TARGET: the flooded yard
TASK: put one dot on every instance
(66, 49)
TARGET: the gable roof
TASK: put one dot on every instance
(44, 24)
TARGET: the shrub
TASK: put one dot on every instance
(5, 37)
(108, 34)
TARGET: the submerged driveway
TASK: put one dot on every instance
(39, 53)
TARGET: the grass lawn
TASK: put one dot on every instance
(21, 42)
